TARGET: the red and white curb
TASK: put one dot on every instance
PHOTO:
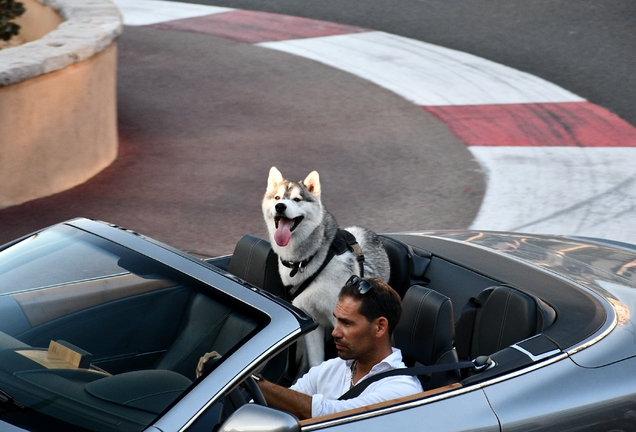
(554, 162)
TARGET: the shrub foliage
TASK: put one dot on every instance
(9, 10)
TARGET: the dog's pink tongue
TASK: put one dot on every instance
(283, 232)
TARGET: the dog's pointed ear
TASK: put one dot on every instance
(312, 183)
(275, 177)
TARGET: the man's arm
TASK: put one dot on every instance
(299, 404)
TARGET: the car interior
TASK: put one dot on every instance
(142, 361)
(129, 383)
(450, 313)
(133, 341)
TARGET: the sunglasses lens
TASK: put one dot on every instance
(364, 287)
(353, 280)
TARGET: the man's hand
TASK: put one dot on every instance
(299, 404)
(203, 361)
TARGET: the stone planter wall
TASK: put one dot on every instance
(58, 118)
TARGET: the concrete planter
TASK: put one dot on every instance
(58, 118)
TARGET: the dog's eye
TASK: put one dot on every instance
(297, 199)
(277, 197)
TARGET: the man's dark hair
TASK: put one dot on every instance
(380, 300)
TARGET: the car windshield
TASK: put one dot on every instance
(94, 336)
(43, 260)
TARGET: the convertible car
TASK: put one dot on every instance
(101, 329)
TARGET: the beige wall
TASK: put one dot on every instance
(58, 129)
(37, 20)
(58, 118)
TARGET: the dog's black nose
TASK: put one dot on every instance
(280, 208)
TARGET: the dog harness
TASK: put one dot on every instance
(343, 242)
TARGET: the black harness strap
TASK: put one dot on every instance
(356, 390)
(343, 242)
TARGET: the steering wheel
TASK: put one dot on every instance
(237, 397)
(249, 384)
(254, 391)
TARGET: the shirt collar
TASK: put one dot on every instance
(392, 361)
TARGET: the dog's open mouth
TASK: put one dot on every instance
(284, 229)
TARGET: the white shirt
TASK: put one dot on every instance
(328, 381)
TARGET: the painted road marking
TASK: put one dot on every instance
(145, 12)
(552, 190)
(423, 73)
(253, 27)
(578, 124)
(554, 162)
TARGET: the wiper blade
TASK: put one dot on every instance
(7, 399)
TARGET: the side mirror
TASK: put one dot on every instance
(257, 418)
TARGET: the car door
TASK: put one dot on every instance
(448, 409)
(455, 410)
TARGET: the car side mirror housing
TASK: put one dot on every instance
(258, 418)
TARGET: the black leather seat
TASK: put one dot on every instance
(499, 317)
(207, 325)
(425, 334)
(255, 262)
(407, 267)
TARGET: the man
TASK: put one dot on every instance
(367, 312)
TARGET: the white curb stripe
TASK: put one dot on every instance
(423, 73)
(559, 190)
(146, 12)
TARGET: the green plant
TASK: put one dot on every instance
(9, 10)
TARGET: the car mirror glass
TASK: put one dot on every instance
(254, 417)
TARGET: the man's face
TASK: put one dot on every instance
(353, 334)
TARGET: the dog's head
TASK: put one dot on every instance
(292, 209)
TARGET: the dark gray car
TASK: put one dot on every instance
(101, 329)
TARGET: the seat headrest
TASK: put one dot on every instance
(407, 266)
(254, 261)
(399, 262)
(508, 316)
(427, 327)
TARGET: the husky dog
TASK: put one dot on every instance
(302, 233)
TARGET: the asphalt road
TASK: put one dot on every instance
(585, 46)
(202, 119)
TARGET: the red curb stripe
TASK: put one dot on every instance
(568, 124)
(254, 27)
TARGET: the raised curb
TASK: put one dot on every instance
(89, 27)
(59, 112)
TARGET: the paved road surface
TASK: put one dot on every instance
(585, 46)
(202, 120)
(199, 134)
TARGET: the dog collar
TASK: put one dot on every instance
(296, 266)
(343, 241)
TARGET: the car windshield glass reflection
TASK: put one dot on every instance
(110, 340)
(53, 257)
